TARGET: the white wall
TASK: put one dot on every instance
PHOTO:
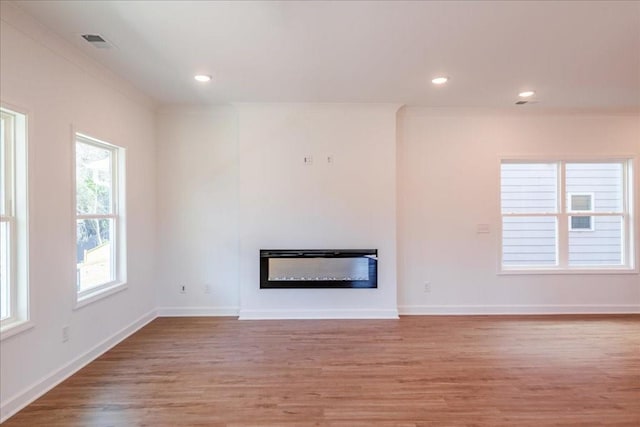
(60, 88)
(449, 177)
(232, 181)
(198, 211)
(347, 203)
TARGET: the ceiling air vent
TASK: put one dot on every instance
(97, 41)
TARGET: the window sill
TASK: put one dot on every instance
(99, 294)
(576, 271)
(15, 328)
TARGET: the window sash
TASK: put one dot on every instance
(97, 216)
(113, 164)
(11, 270)
(8, 163)
(113, 241)
(8, 213)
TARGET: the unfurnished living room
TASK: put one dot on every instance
(319, 213)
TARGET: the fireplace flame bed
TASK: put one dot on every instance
(318, 268)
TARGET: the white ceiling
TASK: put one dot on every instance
(574, 54)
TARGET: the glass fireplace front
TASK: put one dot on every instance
(314, 268)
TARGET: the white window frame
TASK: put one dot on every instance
(563, 214)
(16, 216)
(581, 211)
(118, 238)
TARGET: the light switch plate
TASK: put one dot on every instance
(483, 229)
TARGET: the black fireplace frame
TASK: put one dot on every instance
(370, 254)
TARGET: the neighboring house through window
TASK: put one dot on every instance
(567, 215)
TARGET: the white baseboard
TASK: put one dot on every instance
(197, 311)
(317, 314)
(14, 404)
(518, 309)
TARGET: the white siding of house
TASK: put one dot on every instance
(529, 188)
(603, 245)
(529, 241)
(602, 179)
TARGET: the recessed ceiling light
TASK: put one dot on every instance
(440, 80)
(202, 78)
(526, 94)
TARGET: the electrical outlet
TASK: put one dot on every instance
(65, 333)
(207, 288)
(427, 287)
(183, 289)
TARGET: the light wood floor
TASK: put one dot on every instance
(416, 371)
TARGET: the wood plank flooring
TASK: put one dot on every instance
(416, 371)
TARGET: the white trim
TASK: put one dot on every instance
(565, 157)
(465, 310)
(14, 404)
(318, 314)
(562, 271)
(562, 220)
(198, 311)
(116, 215)
(576, 213)
(98, 216)
(98, 294)
(19, 221)
(632, 182)
(15, 328)
(90, 140)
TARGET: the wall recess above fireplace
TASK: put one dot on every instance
(318, 268)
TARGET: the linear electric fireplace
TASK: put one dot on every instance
(318, 268)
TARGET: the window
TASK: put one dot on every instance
(99, 217)
(566, 215)
(581, 202)
(14, 301)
